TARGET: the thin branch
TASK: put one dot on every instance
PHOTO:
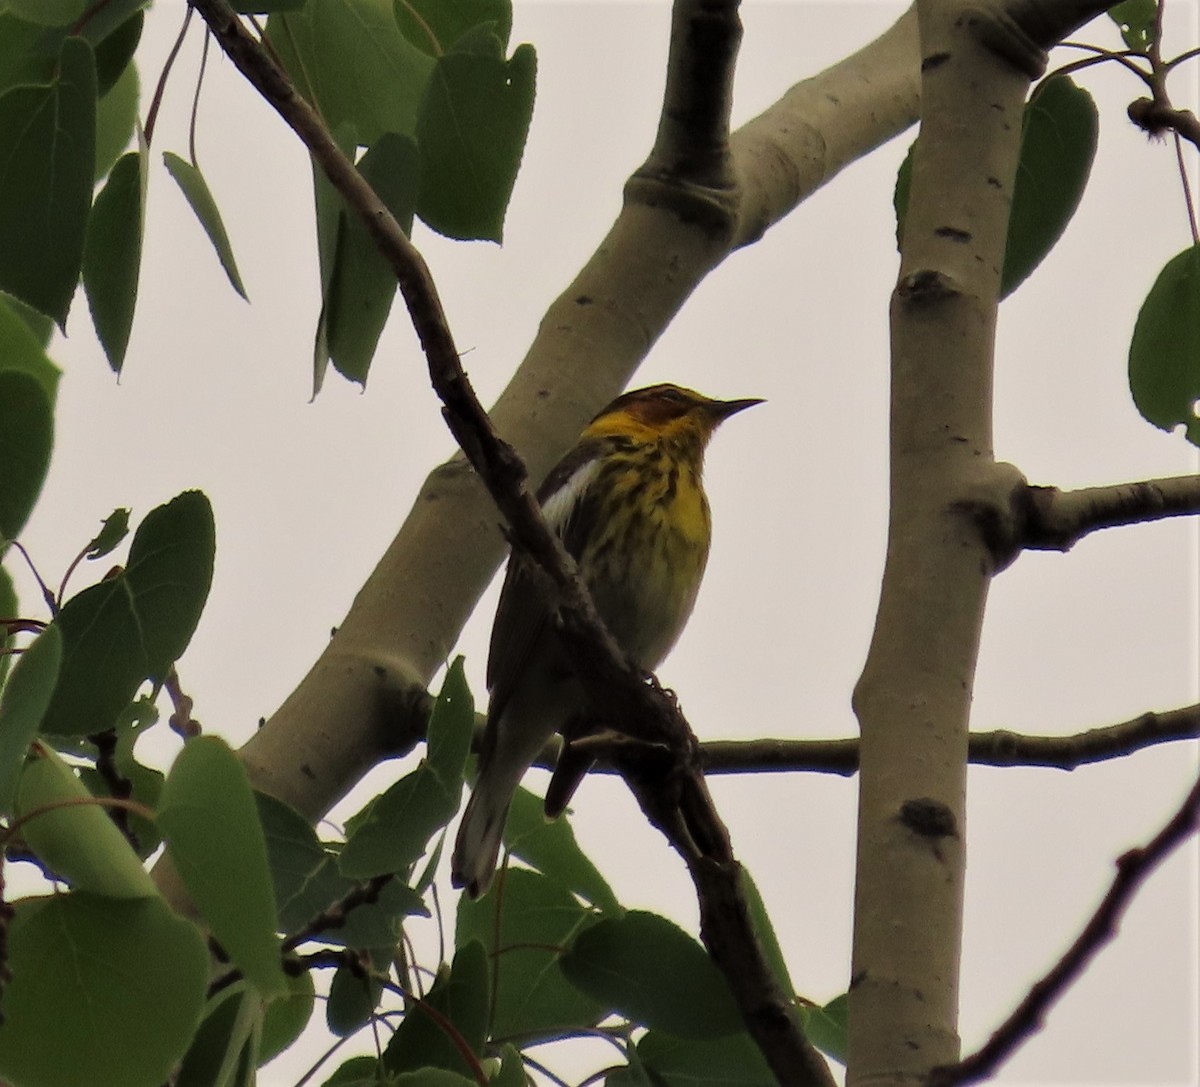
(182, 723)
(1186, 186)
(161, 87)
(646, 711)
(1157, 117)
(997, 748)
(1004, 748)
(1133, 870)
(47, 595)
(1052, 520)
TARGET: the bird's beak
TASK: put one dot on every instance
(723, 409)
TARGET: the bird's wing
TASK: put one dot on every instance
(521, 617)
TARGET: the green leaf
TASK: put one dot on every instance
(114, 52)
(294, 855)
(538, 919)
(9, 606)
(79, 842)
(47, 163)
(24, 59)
(306, 881)
(133, 626)
(209, 820)
(434, 26)
(352, 1000)
(201, 201)
(358, 1072)
(350, 59)
(1058, 144)
(103, 991)
(378, 923)
(512, 1069)
(1136, 19)
(23, 702)
(451, 725)
(362, 284)
(29, 52)
(112, 532)
(286, 1018)
(112, 255)
(23, 347)
(648, 969)
(330, 213)
(430, 1077)
(766, 933)
(550, 847)
(116, 120)
(48, 12)
(147, 789)
(732, 1061)
(220, 1042)
(240, 1032)
(828, 1028)
(462, 998)
(472, 130)
(1164, 355)
(401, 822)
(26, 441)
(265, 7)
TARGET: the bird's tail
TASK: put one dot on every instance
(478, 844)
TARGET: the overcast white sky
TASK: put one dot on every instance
(215, 395)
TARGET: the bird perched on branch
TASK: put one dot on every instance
(629, 505)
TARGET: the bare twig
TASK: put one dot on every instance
(47, 595)
(181, 720)
(1054, 520)
(1133, 869)
(998, 748)
(161, 87)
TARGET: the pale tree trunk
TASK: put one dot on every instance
(948, 494)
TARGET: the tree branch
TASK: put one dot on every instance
(619, 690)
(1054, 520)
(914, 695)
(998, 748)
(1133, 869)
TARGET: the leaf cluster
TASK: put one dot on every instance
(548, 953)
(424, 95)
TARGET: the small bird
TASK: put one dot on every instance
(629, 506)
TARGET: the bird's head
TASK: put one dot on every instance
(665, 411)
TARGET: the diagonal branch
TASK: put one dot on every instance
(361, 700)
(1133, 869)
(688, 817)
(1054, 520)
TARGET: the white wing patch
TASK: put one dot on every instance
(557, 509)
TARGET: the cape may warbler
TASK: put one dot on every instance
(629, 506)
